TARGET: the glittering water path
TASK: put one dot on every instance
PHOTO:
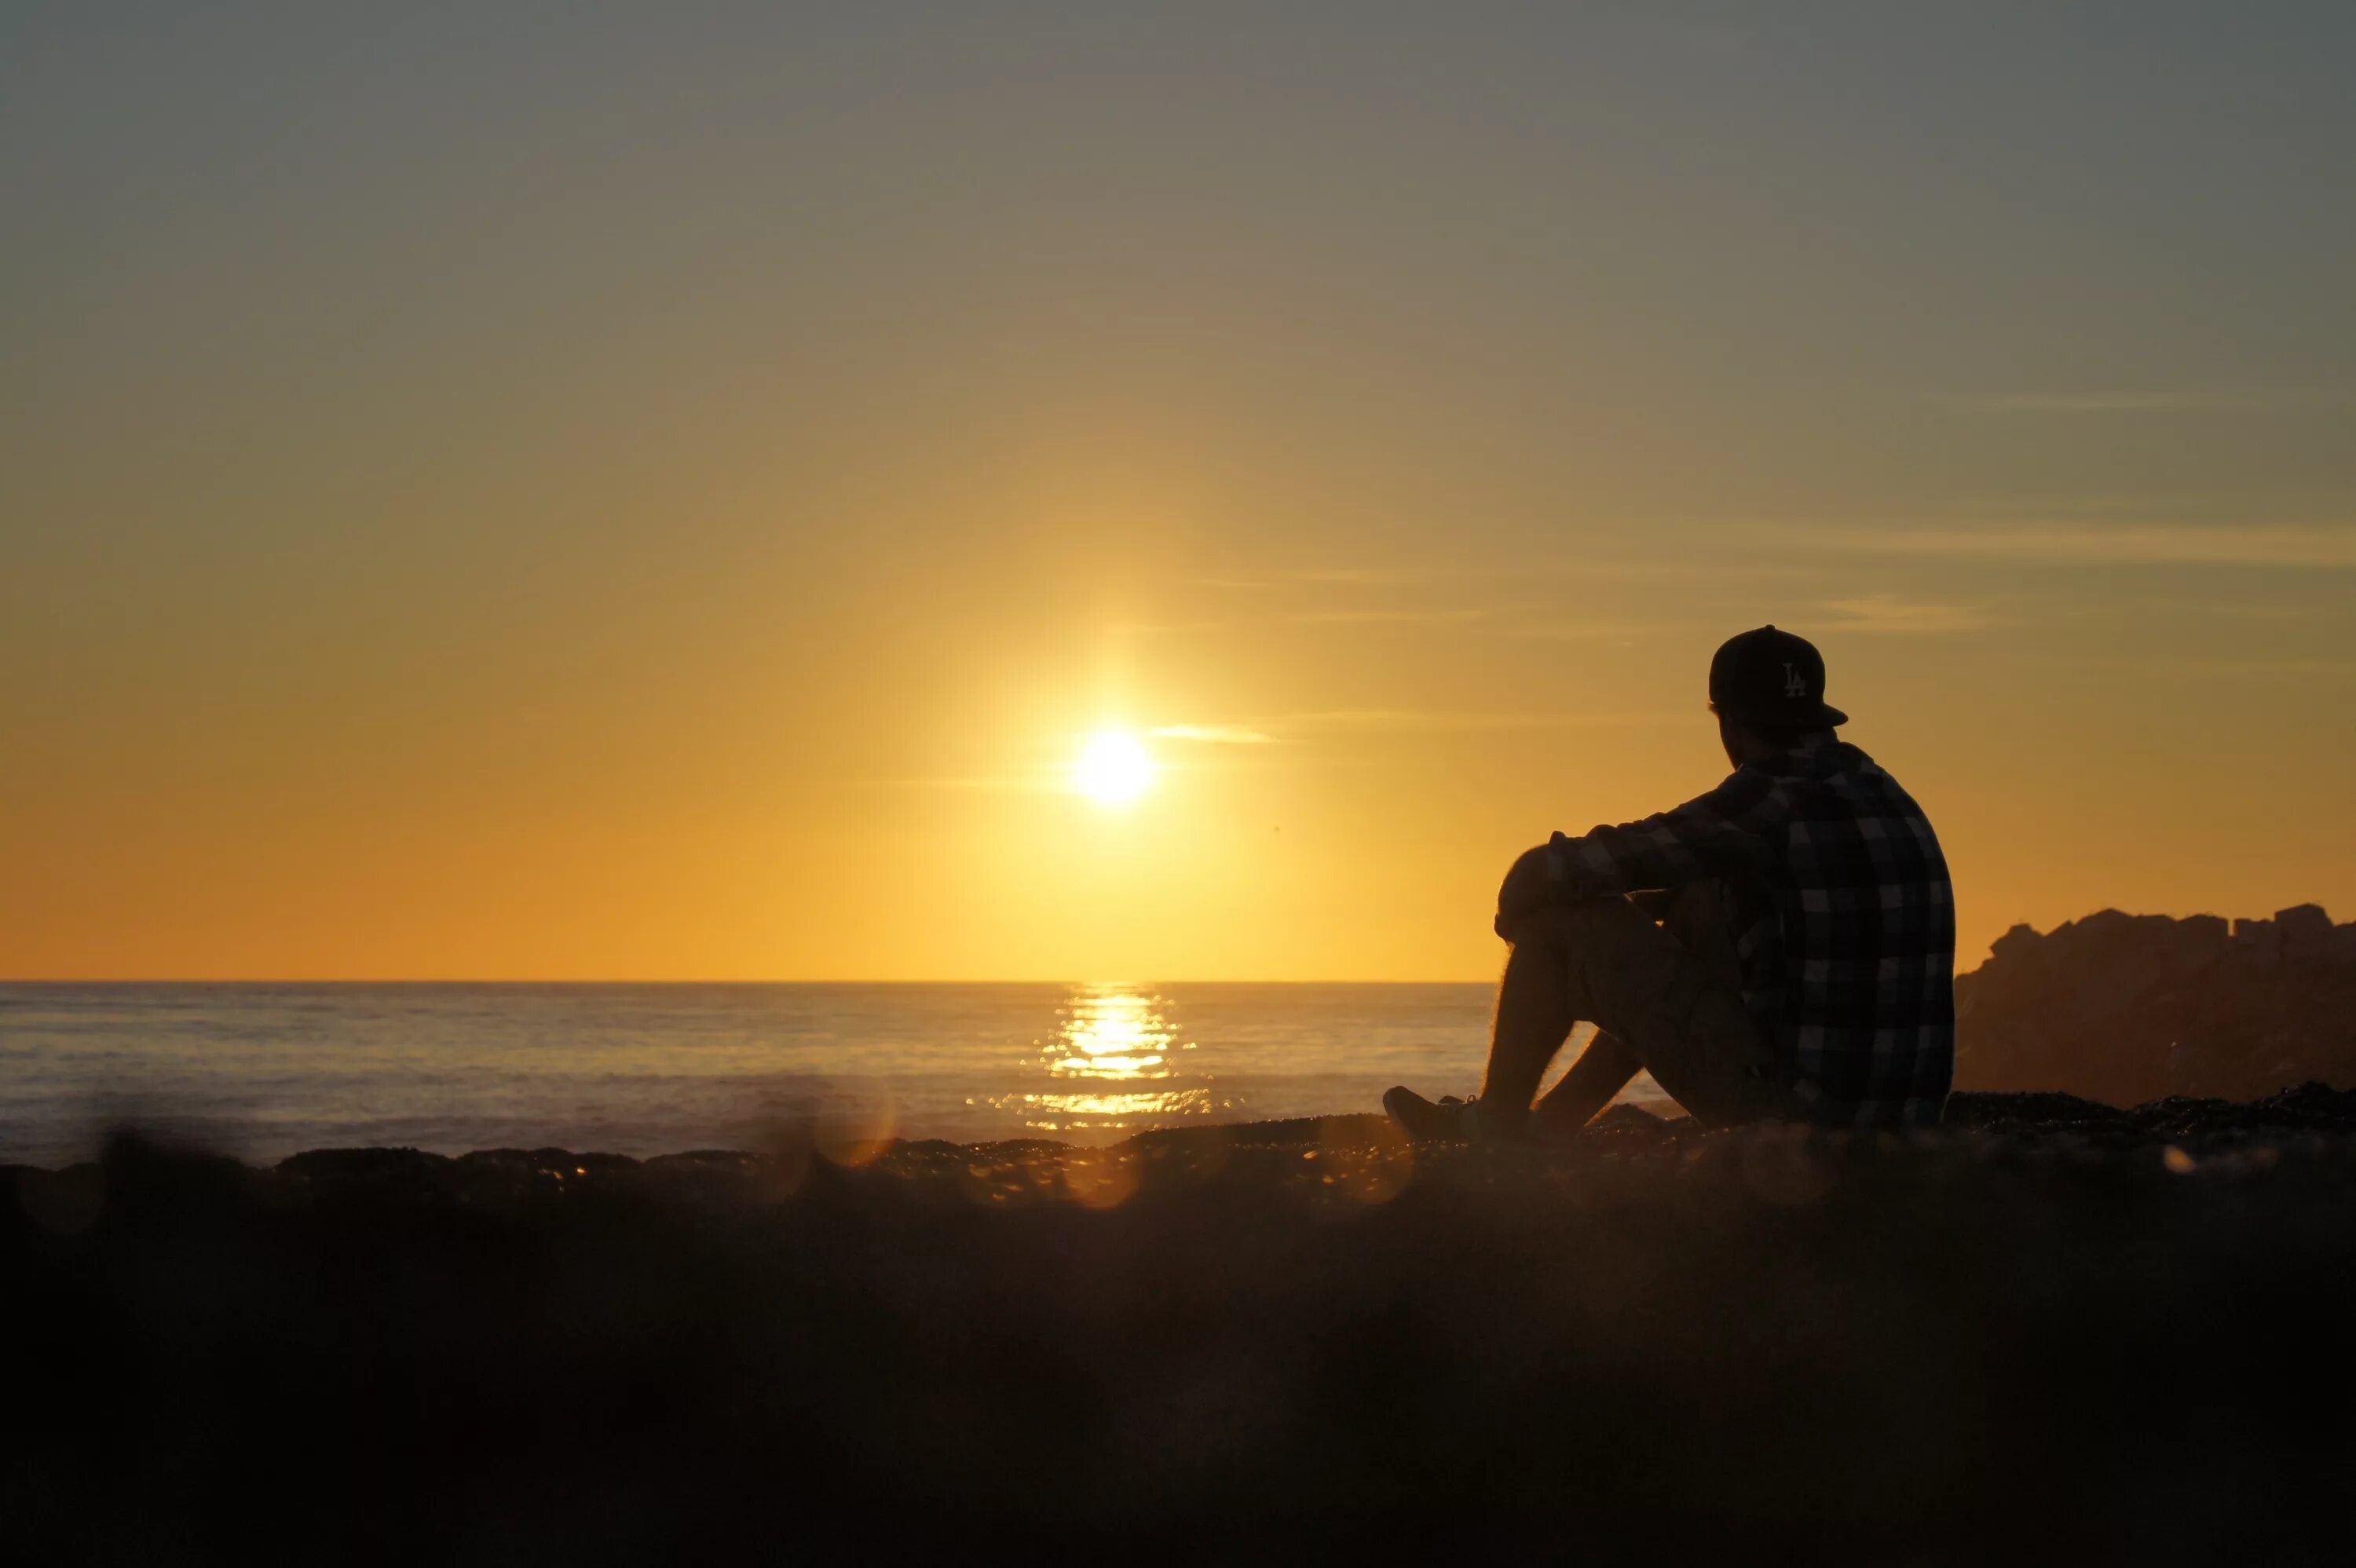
(265, 1069)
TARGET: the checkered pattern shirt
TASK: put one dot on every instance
(1843, 920)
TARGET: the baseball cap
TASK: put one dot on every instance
(1772, 678)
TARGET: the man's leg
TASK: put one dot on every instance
(1533, 1020)
(1535, 1014)
(1658, 1004)
(1606, 1066)
(1609, 1064)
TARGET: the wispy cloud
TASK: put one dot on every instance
(1357, 576)
(2074, 543)
(1213, 734)
(1037, 779)
(1569, 571)
(1437, 718)
(2153, 400)
(1323, 577)
(1290, 739)
(1888, 612)
(2120, 401)
(1570, 628)
(2263, 669)
(2279, 615)
(1160, 628)
(1401, 615)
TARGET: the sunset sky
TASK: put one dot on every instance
(668, 491)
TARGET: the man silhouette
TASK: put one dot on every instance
(1803, 962)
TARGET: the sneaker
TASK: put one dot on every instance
(1445, 1120)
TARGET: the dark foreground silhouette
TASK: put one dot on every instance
(2050, 1330)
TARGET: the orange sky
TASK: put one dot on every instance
(669, 501)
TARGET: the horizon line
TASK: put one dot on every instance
(527, 980)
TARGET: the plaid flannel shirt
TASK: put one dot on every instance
(1843, 920)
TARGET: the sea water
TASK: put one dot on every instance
(265, 1071)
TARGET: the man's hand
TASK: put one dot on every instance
(1534, 881)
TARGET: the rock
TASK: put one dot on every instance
(350, 1170)
(2306, 931)
(2316, 1104)
(61, 1202)
(2132, 1009)
(1971, 1110)
(2015, 945)
(2257, 938)
(2201, 939)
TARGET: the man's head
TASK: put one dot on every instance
(1767, 689)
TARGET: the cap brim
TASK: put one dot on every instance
(1831, 718)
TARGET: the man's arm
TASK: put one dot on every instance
(1723, 833)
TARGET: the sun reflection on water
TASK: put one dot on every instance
(1111, 1032)
(1110, 1036)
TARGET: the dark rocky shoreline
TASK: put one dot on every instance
(1363, 1157)
(2052, 1328)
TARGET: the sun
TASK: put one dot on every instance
(1113, 768)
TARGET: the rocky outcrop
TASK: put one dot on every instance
(2127, 1008)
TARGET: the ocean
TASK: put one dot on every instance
(265, 1071)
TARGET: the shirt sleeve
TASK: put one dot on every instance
(1728, 831)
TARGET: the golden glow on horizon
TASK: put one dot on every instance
(1113, 768)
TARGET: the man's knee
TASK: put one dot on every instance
(1566, 925)
(1694, 912)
